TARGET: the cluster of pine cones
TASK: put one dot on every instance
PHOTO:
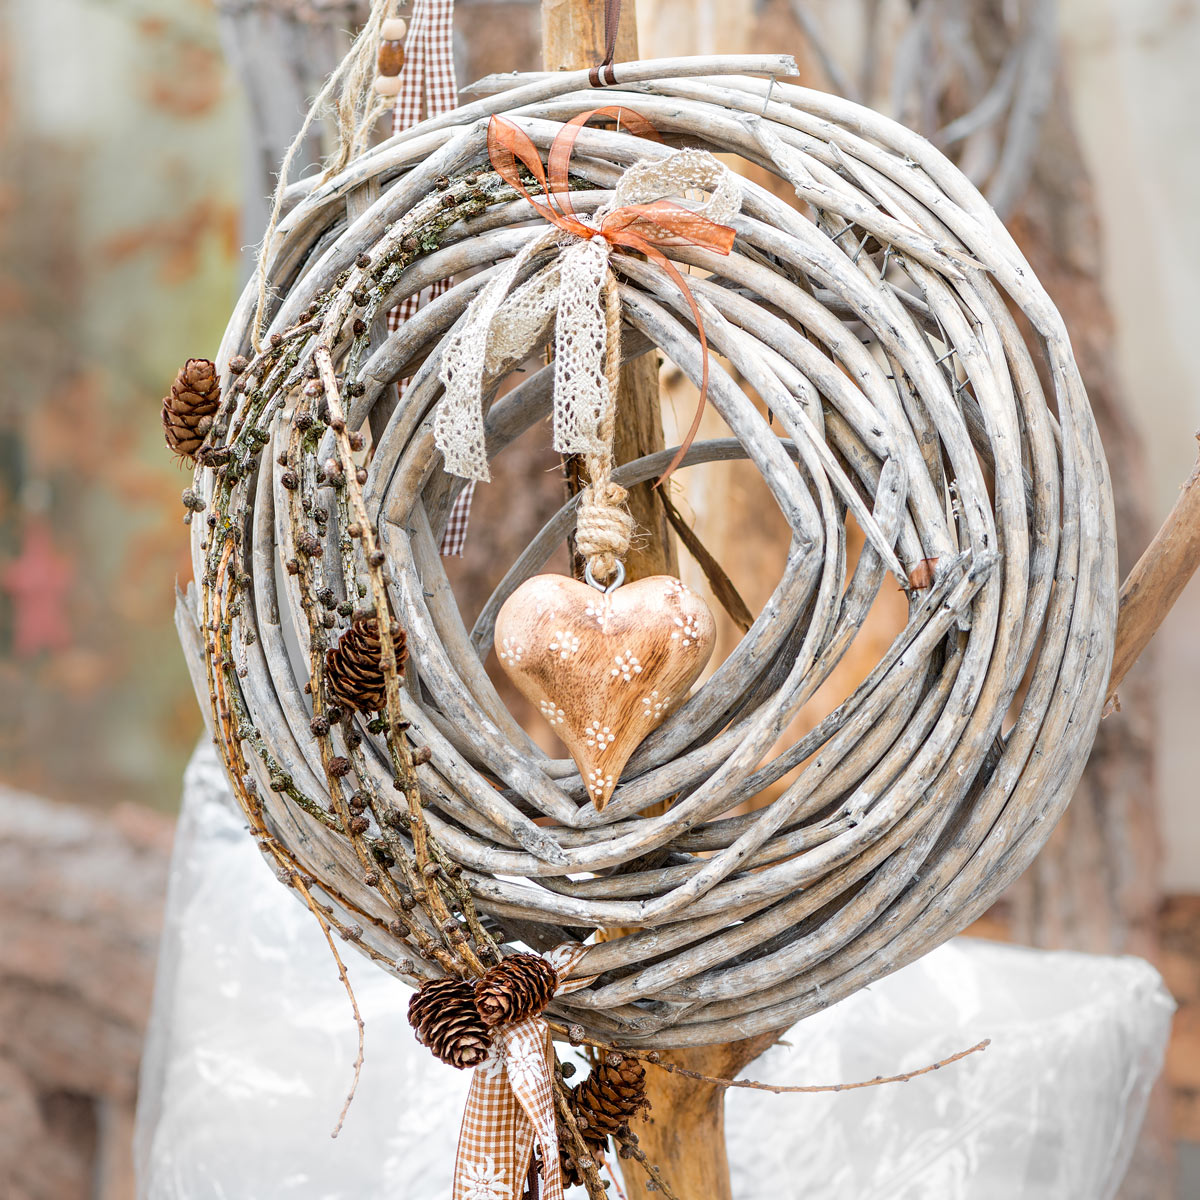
(608, 1099)
(454, 1017)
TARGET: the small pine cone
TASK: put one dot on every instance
(517, 987)
(353, 668)
(443, 1015)
(188, 412)
(609, 1097)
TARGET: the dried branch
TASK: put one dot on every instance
(1156, 581)
(630, 1149)
(720, 583)
(778, 1089)
(655, 1060)
(358, 1021)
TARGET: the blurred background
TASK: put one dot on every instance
(138, 140)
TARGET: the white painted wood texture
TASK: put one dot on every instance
(904, 391)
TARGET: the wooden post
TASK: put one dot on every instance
(684, 1133)
(573, 37)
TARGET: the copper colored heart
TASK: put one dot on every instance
(604, 669)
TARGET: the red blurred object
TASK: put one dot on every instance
(39, 582)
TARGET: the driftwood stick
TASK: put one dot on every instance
(1156, 581)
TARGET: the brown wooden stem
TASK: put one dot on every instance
(684, 1133)
(1157, 580)
(572, 38)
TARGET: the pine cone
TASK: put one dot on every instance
(354, 672)
(443, 1015)
(611, 1096)
(517, 987)
(188, 412)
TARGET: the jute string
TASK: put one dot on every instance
(604, 526)
(357, 109)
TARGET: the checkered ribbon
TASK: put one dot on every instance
(427, 78)
(428, 88)
(510, 1107)
(454, 539)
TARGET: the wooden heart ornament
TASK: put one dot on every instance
(604, 668)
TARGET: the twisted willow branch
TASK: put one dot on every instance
(918, 379)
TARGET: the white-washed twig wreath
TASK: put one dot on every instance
(919, 379)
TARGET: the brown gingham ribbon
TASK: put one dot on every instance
(429, 88)
(510, 1107)
(427, 80)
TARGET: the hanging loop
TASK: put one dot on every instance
(603, 75)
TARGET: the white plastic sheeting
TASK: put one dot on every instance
(252, 1043)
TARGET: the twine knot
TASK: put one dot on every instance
(603, 528)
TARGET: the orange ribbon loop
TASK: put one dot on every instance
(639, 227)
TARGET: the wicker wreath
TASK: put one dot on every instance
(920, 379)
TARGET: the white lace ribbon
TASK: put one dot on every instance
(502, 325)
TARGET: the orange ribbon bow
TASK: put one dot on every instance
(638, 227)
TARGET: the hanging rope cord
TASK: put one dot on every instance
(604, 526)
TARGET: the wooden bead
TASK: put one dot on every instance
(390, 58)
(394, 29)
(387, 85)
